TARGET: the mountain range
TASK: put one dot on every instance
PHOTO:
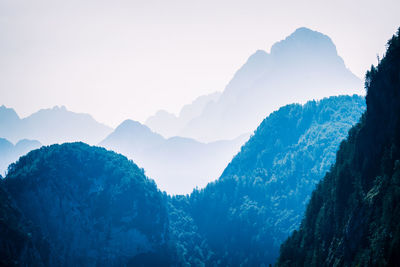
(177, 164)
(170, 125)
(74, 204)
(324, 175)
(192, 149)
(50, 126)
(303, 66)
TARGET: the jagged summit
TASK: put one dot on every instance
(305, 38)
(303, 66)
(307, 45)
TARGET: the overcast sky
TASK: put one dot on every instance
(126, 59)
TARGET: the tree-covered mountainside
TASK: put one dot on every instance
(93, 207)
(243, 217)
(353, 217)
(19, 243)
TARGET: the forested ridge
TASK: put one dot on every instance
(353, 218)
(242, 218)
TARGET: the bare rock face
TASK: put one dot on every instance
(94, 207)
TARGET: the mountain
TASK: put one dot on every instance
(10, 153)
(170, 125)
(87, 207)
(301, 67)
(353, 217)
(49, 126)
(244, 216)
(177, 164)
(73, 204)
(131, 138)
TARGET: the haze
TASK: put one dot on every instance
(128, 59)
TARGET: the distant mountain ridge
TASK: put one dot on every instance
(10, 153)
(303, 66)
(49, 126)
(133, 137)
(170, 125)
(177, 164)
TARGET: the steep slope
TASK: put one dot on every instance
(353, 217)
(243, 217)
(304, 66)
(9, 153)
(95, 207)
(49, 126)
(177, 164)
(170, 125)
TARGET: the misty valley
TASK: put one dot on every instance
(296, 162)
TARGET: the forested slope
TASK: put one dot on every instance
(243, 217)
(353, 218)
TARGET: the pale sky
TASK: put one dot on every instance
(126, 59)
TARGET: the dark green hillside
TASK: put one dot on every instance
(353, 218)
(19, 242)
(243, 217)
(94, 206)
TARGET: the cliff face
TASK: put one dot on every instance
(93, 206)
